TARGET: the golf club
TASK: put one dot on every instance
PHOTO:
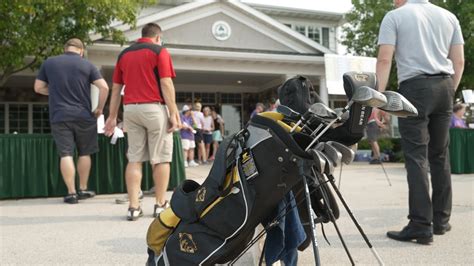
(363, 95)
(398, 105)
(329, 165)
(347, 153)
(333, 154)
(318, 109)
(319, 161)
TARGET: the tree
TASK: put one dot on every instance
(360, 35)
(32, 30)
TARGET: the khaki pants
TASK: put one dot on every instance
(148, 139)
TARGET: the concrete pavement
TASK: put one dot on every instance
(95, 231)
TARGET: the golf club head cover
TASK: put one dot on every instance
(298, 94)
(353, 128)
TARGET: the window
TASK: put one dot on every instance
(313, 33)
(301, 29)
(18, 118)
(233, 98)
(325, 41)
(183, 97)
(2, 118)
(24, 118)
(41, 118)
(206, 97)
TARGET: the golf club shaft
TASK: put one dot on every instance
(340, 177)
(346, 108)
(361, 231)
(317, 129)
(296, 125)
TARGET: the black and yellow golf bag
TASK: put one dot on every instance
(212, 222)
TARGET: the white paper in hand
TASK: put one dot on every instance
(94, 97)
(100, 124)
(118, 133)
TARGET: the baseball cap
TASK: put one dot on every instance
(185, 108)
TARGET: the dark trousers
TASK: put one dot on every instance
(425, 138)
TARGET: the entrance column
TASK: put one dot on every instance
(323, 90)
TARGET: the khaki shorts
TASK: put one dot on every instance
(148, 139)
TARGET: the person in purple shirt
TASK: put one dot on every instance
(260, 107)
(456, 117)
(187, 137)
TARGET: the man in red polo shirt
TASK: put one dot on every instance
(150, 114)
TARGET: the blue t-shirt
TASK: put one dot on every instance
(69, 79)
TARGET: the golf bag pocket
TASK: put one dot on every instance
(232, 205)
(191, 244)
(160, 229)
(182, 201)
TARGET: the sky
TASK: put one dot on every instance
(339, 6)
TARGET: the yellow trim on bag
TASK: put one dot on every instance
(169, 218)
(235, 179)
(277, 117)
(272, 115)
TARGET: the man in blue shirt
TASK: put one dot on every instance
(67, 79)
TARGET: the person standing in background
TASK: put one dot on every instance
(429, 51)
(207, 129)
(187, 137)
(218, 132)
(456, 117)
(198, 117)
(376, 122)
(67, 79)
(150, 114)
(260, 107)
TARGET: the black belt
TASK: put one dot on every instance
(145, 103)
(428, 76)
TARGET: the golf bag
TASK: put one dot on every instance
(212, 223)
(254, 170)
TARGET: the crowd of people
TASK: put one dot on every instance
(201, 131)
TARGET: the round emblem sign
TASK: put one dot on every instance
(221, 30)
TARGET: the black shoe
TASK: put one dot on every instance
(441, 229)
(71, 199)
(85, 194)
(421, 234)
(375, 161)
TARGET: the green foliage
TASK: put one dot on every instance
(384, 144)
(364, 24)
(32, 30)
(464, 11)
(362, 32)
(392, 145)
(360, 36)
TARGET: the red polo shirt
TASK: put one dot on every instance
(140, 67)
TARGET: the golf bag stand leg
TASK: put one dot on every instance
(333, 184)
(311, 217)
